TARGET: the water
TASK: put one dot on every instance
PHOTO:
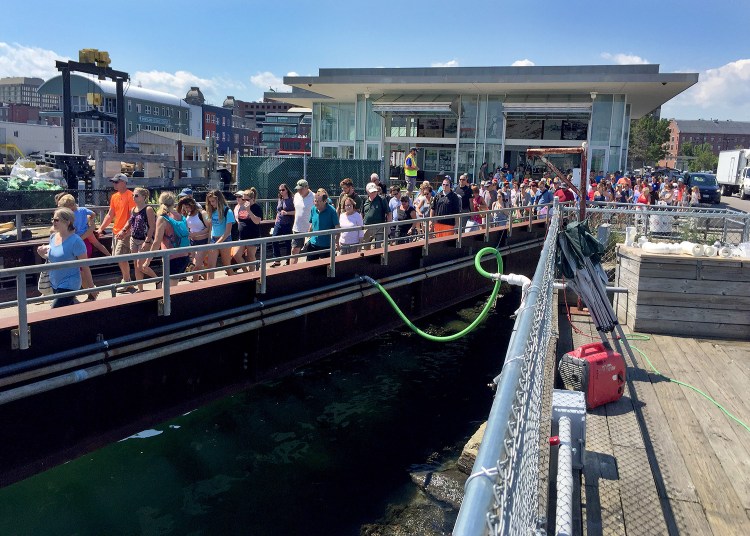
(319, 452)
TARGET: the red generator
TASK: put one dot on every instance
(597, 371)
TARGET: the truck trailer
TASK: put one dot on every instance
(733, 172)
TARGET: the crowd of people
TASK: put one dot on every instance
(180, 222)
(643, 190)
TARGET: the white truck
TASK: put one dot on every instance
(733, 172)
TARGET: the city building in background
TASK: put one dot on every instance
(19, 113)
(720, 135)
(22, 90)
(291, 124)
(460, 117)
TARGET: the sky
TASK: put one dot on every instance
(245, 47)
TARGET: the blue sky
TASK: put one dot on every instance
(246, 47)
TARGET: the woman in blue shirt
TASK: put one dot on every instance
(64, 245)
(222, 219)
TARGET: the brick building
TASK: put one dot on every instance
(720, 135)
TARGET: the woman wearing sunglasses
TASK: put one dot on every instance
(64, 245)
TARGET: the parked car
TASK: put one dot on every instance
(706, 183)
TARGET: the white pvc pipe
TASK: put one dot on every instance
(564, 510)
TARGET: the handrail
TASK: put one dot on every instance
(20, 273)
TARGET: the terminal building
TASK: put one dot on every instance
(461, 117)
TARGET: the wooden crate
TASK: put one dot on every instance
(684, 295)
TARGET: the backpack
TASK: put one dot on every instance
(180, 237)
(235, 227)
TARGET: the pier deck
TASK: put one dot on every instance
(663, 459)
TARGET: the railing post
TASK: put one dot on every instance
(384, 256)
(460, 232)
(19, 226)
(263, 269)
(426, 246)
(23, 318)
(166, 308)
(487, 224)
(510, 225)
(332, 256)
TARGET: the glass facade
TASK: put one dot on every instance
(496, 129)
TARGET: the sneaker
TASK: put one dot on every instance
(275, 264)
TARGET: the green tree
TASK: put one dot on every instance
(705, 159)
(648, 139)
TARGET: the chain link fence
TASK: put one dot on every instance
(662, 224)
(503, 492)
(266, 173)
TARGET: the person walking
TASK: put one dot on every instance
(120, 205)
(304, 200)
(64, 245)
(374, 211)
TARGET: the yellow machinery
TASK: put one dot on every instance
(94, 55)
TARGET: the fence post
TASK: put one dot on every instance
(745, 231)
(304, 166)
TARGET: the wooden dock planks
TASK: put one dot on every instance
(664, 460)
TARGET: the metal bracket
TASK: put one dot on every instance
(15, 341)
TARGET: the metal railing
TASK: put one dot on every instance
(502, 493)
(498, 219)
(704, 225)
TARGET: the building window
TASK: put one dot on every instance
(164, 111)
(148, 109)
(156, 110)
(130, 105)
(139, 127)
(130, 126)
(208, 118)
(138, 107)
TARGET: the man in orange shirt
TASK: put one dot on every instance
(120, 206)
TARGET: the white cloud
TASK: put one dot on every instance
(215, 89)
(523, 63)
(267, 81)
(451, 63)
(624, 59)
(722, 93)
(19, 60)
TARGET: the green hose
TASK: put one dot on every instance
(639, 337)
(482, 314)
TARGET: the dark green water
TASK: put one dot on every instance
(320, 452)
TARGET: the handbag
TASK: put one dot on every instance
(43, 285)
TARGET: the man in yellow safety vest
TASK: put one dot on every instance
(411, 169)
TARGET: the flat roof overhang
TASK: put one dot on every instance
(646, 88)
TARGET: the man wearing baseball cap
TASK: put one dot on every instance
(304, 201)
(120, 206)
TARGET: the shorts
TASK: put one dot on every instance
(298, 243)
(89, 248)
(177, 265)
(120, 246)
(199, 242)
(215, 238)
(136, 244)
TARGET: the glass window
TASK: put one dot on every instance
(469, 110)
(156, 110)
(601, 120)
(494, 119)
(138, 107)
(374, 124)
(347, 122)
(328, 124)
(130, 105)
(524, 129)
(148, 109)
(130, 126)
